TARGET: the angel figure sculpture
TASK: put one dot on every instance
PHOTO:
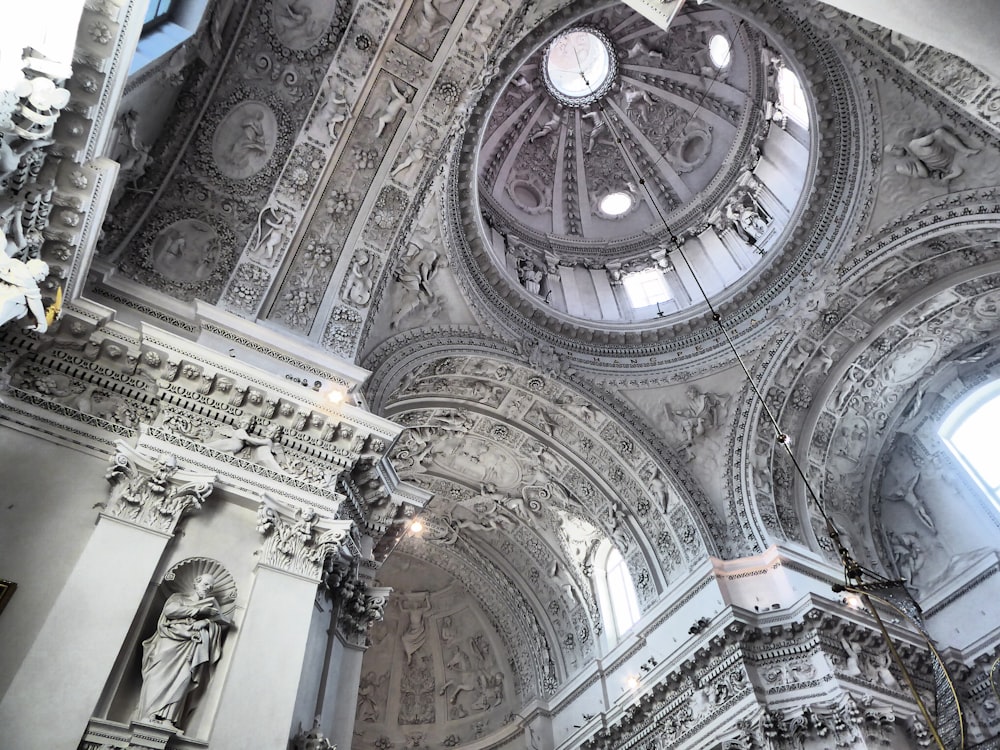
(19, 292)
(702, 413)
(272, 228)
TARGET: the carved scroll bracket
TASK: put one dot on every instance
(152, 491)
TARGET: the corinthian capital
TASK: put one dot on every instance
(153, 491)
(298, 539)
(361, 605)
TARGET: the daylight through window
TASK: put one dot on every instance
(157, 12)
(646, 288)
(971, 432)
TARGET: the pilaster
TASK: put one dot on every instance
(359, 605)
(274, 635)
(78, 643)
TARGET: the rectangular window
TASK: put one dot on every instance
(157, 12)
(645, 288)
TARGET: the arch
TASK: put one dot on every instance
(850, 371)
(615, 592)
(657, 476)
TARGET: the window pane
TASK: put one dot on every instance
(624, 605)
(976, 438)
(157, 9)
(646, 287)
(792, 98)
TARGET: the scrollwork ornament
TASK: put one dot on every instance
(298, 540)
(153, 492)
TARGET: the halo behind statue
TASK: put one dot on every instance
(181, 577)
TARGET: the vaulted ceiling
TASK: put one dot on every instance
(401, 187)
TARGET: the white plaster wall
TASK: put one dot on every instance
(47, 515)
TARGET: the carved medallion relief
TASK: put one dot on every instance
(299, 24)
(244, 140)
(185, 251)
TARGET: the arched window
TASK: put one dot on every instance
(971, 431)
(792, 98)
(615, 592)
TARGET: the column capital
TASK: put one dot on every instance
(153, 491)
(297, 539)
(364, 608)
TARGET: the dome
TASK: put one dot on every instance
(609, 141)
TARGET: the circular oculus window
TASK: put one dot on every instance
(615, 204)
(720, 51)
(579, 66)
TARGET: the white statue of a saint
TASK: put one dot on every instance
(178, 658)
(19, 292)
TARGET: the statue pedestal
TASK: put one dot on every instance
(139, 735)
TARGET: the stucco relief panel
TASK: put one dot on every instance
(244, 140)
(315, 260)
(861, 403)
(300, 24)
(453, 679)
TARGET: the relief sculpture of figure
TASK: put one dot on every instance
(178, 658)
(262, 450)
(409, 168)
(251, 143)
(931, 155)
(702, 413)
(549, 126)
(397, 101)
(417, 269)
(416, 606)
(19, 292)
(637, 104)
(272, 228)
(428, 25)
(600, 127)
(337, 111)
(906, 493)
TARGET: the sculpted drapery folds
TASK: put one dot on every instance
(177, 660)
